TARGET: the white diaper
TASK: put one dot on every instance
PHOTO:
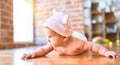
(79, 35)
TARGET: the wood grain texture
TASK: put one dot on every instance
(13, 57)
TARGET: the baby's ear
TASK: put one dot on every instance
(65, 38)
(64, 19)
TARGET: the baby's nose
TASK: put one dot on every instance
(48, 40)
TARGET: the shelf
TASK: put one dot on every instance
(110, 33)
(98, 31)
(94, 7)
(96, 12)
(103, 23)
(109, 17)
(96, 15)
(111, 21)
(98, 34)
(97, 23)
(111, 36)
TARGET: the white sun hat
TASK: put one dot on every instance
(58, 23)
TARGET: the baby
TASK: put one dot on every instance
(65, 41)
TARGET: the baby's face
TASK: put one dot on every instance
(53, 38)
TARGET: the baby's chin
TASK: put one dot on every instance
(56, 45)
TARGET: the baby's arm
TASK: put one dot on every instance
(42, 51)
(99, 49)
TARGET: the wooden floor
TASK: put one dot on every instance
(13, 57)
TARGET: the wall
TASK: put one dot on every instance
(6, 24)
(74, 8)
(0, 21)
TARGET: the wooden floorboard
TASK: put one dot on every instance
(13, 57)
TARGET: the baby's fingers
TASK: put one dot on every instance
(114, 56)
(111, 54)
(25, 56)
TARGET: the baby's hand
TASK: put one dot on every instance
(27, 56)
(111, 54)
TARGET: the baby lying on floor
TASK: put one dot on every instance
(64, 40)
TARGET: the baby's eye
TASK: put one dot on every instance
(49, 36)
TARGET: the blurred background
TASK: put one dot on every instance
(21, 20)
